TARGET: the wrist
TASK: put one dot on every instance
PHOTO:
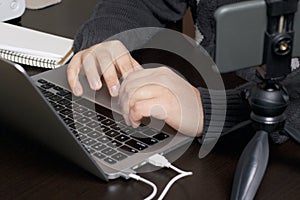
(201, 115)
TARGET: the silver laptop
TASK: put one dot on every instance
(87, 130)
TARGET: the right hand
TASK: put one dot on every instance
(162, 94)
(109, 59)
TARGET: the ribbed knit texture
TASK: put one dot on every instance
(237, 109)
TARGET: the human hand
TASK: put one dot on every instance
(109, 59)
(161, 93)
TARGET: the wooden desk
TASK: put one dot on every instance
(30, 171)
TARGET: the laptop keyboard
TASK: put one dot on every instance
(102, 136)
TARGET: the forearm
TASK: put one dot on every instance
(114, 16)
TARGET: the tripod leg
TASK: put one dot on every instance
(251, 167)
(293, 133)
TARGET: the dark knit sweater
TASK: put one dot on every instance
(114, 16)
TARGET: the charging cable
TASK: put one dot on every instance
(160, 161)
(139, 178)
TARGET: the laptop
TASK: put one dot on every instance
(87, 130)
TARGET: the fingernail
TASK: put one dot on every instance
(135, 125)
(77, 91)
(114, 90)
(95, 84)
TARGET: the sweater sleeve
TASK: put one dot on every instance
(114, 16)
(231, 110)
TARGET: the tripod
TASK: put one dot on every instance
(268, 99)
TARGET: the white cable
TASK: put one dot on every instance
(168, 186)
(139, 178)
(160, 161)
(178, 170)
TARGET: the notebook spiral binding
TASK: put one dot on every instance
(30, 60)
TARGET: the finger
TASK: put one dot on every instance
(124, 64)
(136, 79)
(109, 73)
(73, 72)
(90, 66)
(146, 108)
(135, 64)
(128, 99)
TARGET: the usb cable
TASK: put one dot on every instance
(160, 161)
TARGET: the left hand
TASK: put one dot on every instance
(162, 94)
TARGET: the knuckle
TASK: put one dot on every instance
(165, 69)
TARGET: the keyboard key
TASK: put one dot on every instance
(104, 139)
(75, 125)
(89, 149)
(144, 139)
(128, 150)
(74, 115)
(136, 144)
(119, 156)
(47, 94)
(80, 109)
(161, 136)
(47, 85)
(112, 133)
(150, 132)
(57, 88)
(58, 107)
(94, 134)
(64, 102)
(83, 120)
(88, 141)
(98, 146)
(117, 127)
(102, 128)
(122, 138)
(99, 155)
(108, 122)
(113, 144)
(65, 111)
(42, 81)
(63, 93)
(100, 117)
(128, 130)
(81, 137)
(108, 151)
(72, 105)
(109, 161)
(84, 130)
(90, 114)
(75, 133)
(93, 124)
(68, 120)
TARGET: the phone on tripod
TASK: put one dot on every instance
(240, 29)
(250, 33)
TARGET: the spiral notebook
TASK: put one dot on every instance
(35, 48)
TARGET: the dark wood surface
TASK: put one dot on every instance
(30, 171)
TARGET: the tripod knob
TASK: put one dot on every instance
(282, 44)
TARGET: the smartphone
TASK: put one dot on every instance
(240, 29)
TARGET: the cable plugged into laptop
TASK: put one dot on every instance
(160, 161)
(139, 178)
